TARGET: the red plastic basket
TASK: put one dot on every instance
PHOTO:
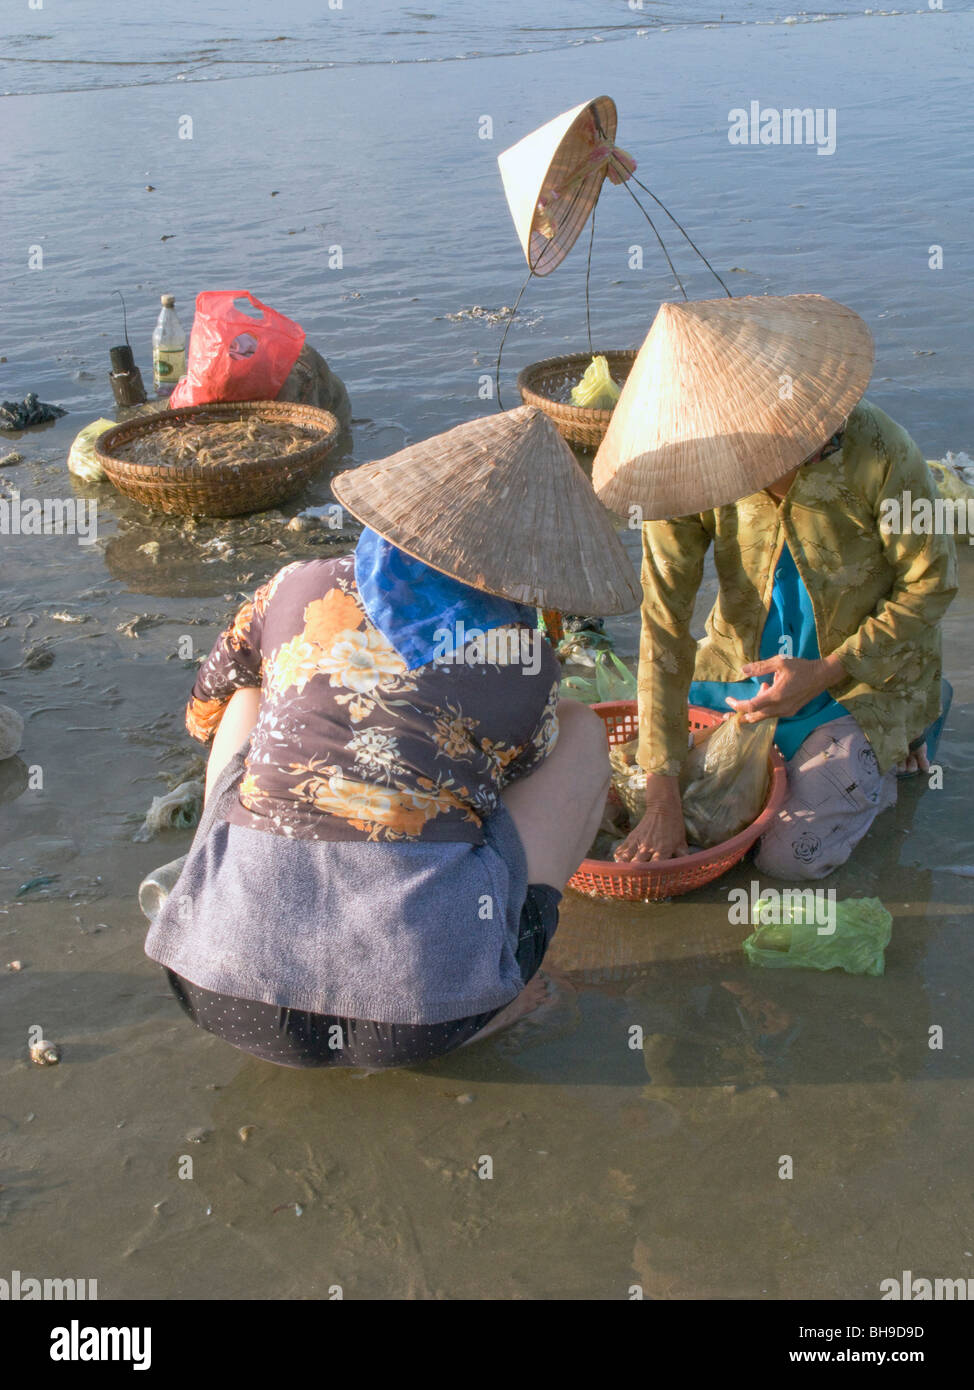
(668, 878)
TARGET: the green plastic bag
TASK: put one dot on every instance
(578, 688)
(613, 681)
(862, 931)
(954, 477)
(596, 390)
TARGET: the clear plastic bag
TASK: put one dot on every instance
(724, 782)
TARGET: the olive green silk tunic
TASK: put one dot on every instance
(877, 595)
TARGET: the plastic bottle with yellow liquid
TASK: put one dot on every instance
(168, 348)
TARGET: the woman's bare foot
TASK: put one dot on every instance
(532, 996)
(916, 762)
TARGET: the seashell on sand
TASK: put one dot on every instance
(45, 1054)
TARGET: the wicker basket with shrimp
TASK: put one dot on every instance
(220, 459)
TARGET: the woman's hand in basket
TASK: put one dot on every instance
(660, 834)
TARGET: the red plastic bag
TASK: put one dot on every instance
(234, 355)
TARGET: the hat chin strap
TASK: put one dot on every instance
(619, 166)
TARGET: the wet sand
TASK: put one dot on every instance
(612, 1166)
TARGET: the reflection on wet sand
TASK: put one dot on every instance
(200, 557)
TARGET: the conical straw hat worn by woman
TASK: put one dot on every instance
(727, 395)
(501, 504)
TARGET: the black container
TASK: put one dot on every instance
(125, 377)
(123, 359)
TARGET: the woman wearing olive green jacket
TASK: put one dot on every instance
(827, 619)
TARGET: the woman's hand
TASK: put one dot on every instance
(660, 833)
(796, 681)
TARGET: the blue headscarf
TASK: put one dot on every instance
(419, 610)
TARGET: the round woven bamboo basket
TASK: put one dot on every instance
(542, 382)
(252, 485)
(668, 878)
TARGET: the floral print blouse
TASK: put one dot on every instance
(349, 743)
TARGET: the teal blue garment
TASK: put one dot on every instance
(790, 616)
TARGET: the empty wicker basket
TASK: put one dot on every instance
(543, 383)
(229, 489)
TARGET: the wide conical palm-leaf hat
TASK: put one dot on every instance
(553, 177)
(727, 395)
(499, 503)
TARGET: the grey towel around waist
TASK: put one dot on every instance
(395, 933)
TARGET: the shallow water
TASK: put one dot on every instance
(612, 1165)
(77, 50)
